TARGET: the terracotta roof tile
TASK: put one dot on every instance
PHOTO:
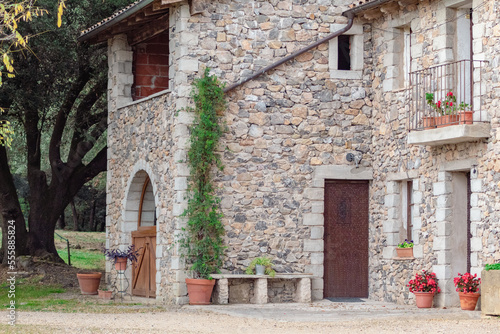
(121, 11)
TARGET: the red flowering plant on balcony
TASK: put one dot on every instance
(447, 106)
(467, 283)
(425, 282)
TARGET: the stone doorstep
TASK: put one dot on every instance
(302, 292)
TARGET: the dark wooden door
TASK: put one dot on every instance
(346, 239)
(144, 270)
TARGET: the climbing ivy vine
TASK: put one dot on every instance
(203, 237)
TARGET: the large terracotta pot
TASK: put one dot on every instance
(121, 263)
(429, 122)
(447, 120)
(466, 117)
(89, 283)
(468, 301)
(424, 299)
(404, 252)
(199, 290)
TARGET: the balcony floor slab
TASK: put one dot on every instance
(453, 134)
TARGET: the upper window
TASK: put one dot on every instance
(346, 53)
(150, 66)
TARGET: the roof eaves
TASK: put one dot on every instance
(113, 19)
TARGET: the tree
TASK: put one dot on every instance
(58, 100)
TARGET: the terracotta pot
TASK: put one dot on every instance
(105, 294)
(199, 290)
(89, 283)
(121, 263)
(424, 299)
(404, 252)
(429, 122)
(447, 120)
(466, 117)
(468, 301)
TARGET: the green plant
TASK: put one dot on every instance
(425, 282)
(494, 266)
(467, 283)
(406, 244)
(263, 261)
(447, 106)
(202, 241)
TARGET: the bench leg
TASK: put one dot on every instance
(260, 291)
(303, 291)
(221, 293)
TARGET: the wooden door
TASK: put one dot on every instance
(144, 271)
(346, 239)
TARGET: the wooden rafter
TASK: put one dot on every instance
(150, 30)
(390, 8)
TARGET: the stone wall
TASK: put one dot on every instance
(431, 168)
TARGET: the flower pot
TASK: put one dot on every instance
(468, 301)
(121, 263)
(405, 252)
(199, 290)
(89, 283)
(260, 269)
(447, 120)
(106, 295)
(466, 117)
(424, 299)
(428, 122)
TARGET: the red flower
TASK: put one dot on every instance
(449, 94)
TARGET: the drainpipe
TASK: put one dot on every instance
(349, 15)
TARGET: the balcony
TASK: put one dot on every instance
(446, 104)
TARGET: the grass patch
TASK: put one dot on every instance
(28, 293)
(83, 259)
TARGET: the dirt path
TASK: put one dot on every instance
(195, 320)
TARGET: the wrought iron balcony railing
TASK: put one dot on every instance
(445, 95)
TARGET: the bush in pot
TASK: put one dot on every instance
(468, 290)
(405, 249)
(202, 240)
(264, 262)
(424, 286)
(120, 257)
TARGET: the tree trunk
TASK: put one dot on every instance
(92, 223)
(10, 210)
(61, 222)
(75, 216)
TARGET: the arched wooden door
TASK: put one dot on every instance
(144, 239)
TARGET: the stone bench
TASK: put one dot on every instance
(302, 292)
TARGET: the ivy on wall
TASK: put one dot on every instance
(203, 237)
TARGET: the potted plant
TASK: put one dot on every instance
(89, 282)
(467, 287)
(120, 257)
(405, 249)
(448, 108)
(202, 241)
(261, 266)
(104, 293)
(424, 286)
(490, 287)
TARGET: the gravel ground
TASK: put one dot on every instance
(318, 317)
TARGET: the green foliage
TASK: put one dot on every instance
(406, 244)
(263, 261)
(203, 237)
(494, 266)
(28, 291)
(83, 259)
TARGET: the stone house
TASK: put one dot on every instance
(330, 161)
